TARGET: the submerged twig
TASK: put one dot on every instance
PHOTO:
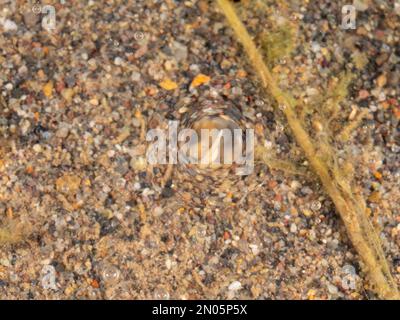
(351, 206)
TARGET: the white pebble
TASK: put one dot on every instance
(22, 70)
(135, 76)
(118, 61)
(9, 25)
(37, 148)
(234, 286)
(48, 277)
(158, 211)
(254, 248)
(332, 289)
(168, 263)
(315, 47)
(110, 153)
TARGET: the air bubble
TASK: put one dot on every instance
(259, 103)
(120, 183)
(279, 127)
(139, 35)
(316, 205)
(201, 231)
(110, 274)
(161, 294)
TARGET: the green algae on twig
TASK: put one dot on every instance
(273, 163)
(279, 43)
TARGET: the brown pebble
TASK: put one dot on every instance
(68, 183)
(363, 94)
(381, 80)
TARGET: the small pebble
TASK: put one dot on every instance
(9, 25)
(234, 286)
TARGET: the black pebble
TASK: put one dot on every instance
(167, 192)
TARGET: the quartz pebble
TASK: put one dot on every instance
(9, 25)
(234, 286)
